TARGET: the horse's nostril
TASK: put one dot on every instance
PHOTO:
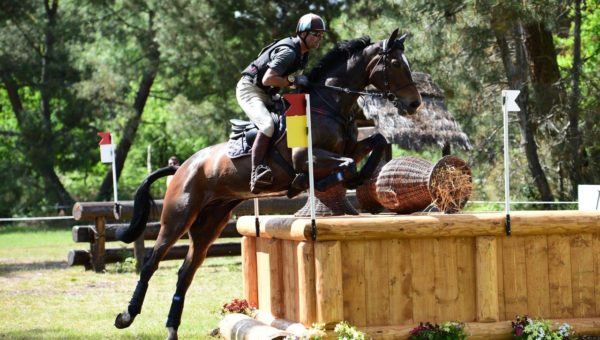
(415, 104)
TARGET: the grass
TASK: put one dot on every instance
(42, 298)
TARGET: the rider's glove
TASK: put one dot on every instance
(301, 80)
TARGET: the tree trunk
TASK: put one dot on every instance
(517, 74)
(153, 56)
(573, 136)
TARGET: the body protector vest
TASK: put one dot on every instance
(257, 69)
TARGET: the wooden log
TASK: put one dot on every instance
(112, 255)
(249, 270)
(515, 278)
(354, 282)
(487, 279)
(242, 327)
(292, 327)
(401, 302)
(307, 295)
(85, 233)
(559, 276)
(465, 252)
(582, 275)
(269, 279)
(98, 245)
(524, 223)
(328, 273)
(377, 282)
(538, 294)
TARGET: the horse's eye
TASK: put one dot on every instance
(396, 63)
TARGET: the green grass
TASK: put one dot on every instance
(42, 298)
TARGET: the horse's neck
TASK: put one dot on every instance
(352, 75)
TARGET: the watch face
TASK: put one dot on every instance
(291, 78)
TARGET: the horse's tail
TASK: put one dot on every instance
(143, 203)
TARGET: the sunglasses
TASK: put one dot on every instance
(316, 34)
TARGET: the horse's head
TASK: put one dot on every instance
(390, 73)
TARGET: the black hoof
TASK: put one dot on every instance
(123, 320)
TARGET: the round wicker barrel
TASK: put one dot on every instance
(366, 195)
(332, 202)
(450, 184)
(402, 185)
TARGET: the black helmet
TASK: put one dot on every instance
(310, 22)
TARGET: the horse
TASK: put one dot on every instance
(208, 185)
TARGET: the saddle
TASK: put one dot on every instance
(244, 132)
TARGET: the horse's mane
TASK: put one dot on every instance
(342, 51)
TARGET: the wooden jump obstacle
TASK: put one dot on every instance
(385, 274)
(100, 232)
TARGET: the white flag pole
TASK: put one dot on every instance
(508, 104)
(311, 176)
(506, 164)
(117, 208)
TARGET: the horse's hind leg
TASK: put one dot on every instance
(211, 221)
(170, 232)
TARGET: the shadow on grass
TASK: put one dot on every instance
(40, 333)
(9, 268)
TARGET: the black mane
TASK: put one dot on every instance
(342, 51)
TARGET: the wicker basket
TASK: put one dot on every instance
(332, 202)
(366, 195)
(405, 185)
(402, 185)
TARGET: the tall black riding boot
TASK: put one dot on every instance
(262, 176)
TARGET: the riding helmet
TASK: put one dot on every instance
(310, 22)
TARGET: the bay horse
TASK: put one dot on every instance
(208, 185)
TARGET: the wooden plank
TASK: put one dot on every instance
(328, 272)
(269, 278)
(422, 263)
(377, 283)
(446, 278)
(465, 270)
(290, 279)
(98, 245)
(249, 270)
(515, 281)
(401, 304)
(307, 295)
(596, 252)
(559, 276)
(582, 275)
(487, 279)
(354, 286)
(500, 273)
(538, 290)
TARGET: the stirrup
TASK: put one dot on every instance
(262, 177)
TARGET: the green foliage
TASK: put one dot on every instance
(446, 331)
(533, 329)
(346, 331)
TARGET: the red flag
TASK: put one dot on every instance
(295, 117)
(104, 138)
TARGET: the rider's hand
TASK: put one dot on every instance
(301, 80)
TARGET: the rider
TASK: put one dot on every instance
(278, 65)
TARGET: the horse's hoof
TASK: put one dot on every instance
(123, 320)
(172, 334)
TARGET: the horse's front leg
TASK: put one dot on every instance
(329, 168)
(374, 144)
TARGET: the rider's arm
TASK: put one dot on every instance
(280, 60)
(271, 78)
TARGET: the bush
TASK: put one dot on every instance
(446, 331)
(529, 329)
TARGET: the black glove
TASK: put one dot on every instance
(301, 80)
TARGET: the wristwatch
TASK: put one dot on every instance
(291, 79)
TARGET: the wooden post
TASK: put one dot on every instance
(307, 299)
(487, 279)
(249, 270)
(98, 245)
(328, 273)
(139, 252)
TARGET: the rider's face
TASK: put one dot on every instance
(313, 39)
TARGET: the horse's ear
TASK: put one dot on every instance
(402, 38)
(391, 39)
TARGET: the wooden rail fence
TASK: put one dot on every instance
(98, 233)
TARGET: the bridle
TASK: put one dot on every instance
(387, 94)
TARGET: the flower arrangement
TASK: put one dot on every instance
(446, 331)
(530, 329)
(238, 306)
(346, 331)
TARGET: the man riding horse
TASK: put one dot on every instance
(278, 65)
